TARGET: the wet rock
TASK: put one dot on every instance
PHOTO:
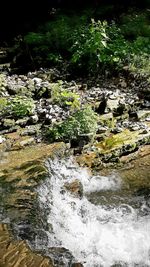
(17, 253)
(75, 187)
(77, 265)
(61, 256)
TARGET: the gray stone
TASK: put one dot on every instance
(22, 122)
(28, 141)
(142, 114)
(9, 123)
(34, 118)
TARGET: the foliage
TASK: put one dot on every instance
(3, 104)
(53, 39)
(22, 106)
(111, 141)
(92, 45)
(63, 97)
(140, 64)
(83, 121)
(89, 43)
(135, 24)
(18, 106)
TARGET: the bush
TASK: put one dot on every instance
(135, 24)
(89, 45)
(17, 106)
(140, 64)
(63, 97)
(53, 40)
(82, 122)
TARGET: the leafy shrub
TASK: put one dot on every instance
(83, 121)
(53, 40)
(17, 106)
(89, 44)
(64, 97)
(21, 106)
(140, 64)
(3, 105)
(135, 24)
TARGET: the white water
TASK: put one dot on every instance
(96, 235)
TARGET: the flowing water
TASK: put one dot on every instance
(108, 226)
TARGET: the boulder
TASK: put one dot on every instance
(75, 188)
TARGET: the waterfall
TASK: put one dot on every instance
(97, 235)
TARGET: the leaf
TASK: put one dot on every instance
(104, 35)
(104, 43)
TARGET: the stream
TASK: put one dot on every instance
(108, 226)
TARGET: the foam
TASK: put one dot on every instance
(96, 235)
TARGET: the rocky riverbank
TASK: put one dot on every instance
(31, 104)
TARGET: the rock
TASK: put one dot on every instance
(75, 187)
(120, 110)
(27, 142)
(142, 114)
(19, 144)
(37, 81)
(102, 106)
(34, 118)
(22, 122)
(135, 127)
(31, 130)
(18, 253)
(148, 119)
(53, 120)
(8, 123)
(2, 139)
(117, 130)
(102, 129)
(112, 104)
(77, 265)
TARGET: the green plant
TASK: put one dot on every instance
(140, 64)
(3, 105)
(63, 97)
(20, 106)
(111, 141)
(89, 43)
(135, 24)
(83, 121)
